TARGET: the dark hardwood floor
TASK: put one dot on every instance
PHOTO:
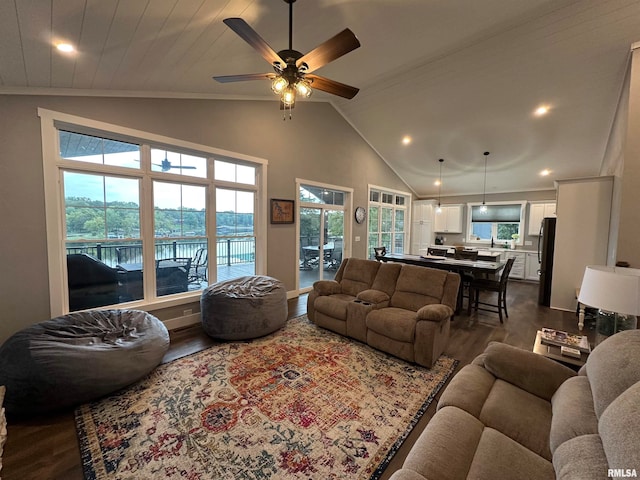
(47, 448)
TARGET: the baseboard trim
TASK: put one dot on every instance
(181, 322)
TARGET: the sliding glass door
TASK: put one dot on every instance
(321, 240)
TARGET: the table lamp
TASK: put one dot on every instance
(615, 291)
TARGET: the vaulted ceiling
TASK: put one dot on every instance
(459, 76)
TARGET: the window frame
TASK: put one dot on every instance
(54, 166)
(394, 206)
(494, 225)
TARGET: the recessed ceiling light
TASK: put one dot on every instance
(436, 183)
(545, 172)
(65, 47)
(541, 110)
(406, 140)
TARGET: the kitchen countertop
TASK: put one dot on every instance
(485, 249)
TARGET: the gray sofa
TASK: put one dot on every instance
(404, 310)
(513, 414)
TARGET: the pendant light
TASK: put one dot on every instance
(483, 208)
(439, 208)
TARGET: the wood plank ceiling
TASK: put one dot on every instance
(459, 77)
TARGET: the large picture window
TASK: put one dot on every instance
(134, 218)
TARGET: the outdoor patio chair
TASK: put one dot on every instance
(199, 264)
(334, 258)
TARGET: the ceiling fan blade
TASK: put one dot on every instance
(331, 86)
(326, 52)
(249, 35)
(244, 77)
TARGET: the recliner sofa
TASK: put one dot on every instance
(515, 414)
(404, 310)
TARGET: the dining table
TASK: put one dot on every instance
(475, 267)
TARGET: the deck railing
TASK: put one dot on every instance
(230, 251)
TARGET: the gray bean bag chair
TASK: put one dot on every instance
(243, 308)
(79, 357)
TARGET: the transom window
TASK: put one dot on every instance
(141, 219)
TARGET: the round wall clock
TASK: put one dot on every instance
(361, 214)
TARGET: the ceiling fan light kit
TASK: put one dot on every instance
(293, 69)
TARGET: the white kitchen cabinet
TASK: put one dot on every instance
(421, 226)
(519, 264)
(538, 211)
(531, 267)
(449, 220)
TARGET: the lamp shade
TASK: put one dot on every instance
(614, 289)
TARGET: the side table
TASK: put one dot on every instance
(553, 352)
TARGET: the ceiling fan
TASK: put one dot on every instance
(166, 166)
(292, 68)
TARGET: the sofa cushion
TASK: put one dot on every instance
(573, 413)
(387, 277)
(468, 390)
(613, 367)
(334, 305)
(418, 286)
(580, 458)
(358, 275)
(499, 457)
(446, 447)
(396, 323)
(619, 426)
(534, 373)
(519, 415)
(374, 296)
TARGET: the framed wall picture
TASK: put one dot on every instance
(282, 211)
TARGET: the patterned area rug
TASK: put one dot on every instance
(300, 403)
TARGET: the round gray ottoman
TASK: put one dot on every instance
(243, 308)
(76, 358)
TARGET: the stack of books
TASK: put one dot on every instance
(570, 343)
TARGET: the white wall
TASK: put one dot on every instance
(582, 234)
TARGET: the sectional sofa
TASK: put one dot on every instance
(517, 415)
(404, 310)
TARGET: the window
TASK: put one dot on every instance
(387, 220)
(500, 222)
(132, 215)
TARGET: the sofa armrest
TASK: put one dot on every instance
(373, 296)
(327, 287)
(435, 312)
(529, 371)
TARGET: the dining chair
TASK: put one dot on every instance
(491, 285)
(466, 277)
(379, 251)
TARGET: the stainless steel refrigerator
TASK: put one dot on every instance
(546, 242)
